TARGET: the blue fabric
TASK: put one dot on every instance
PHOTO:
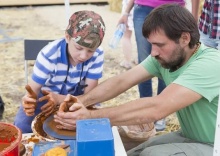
(210, 42)
(144, 48)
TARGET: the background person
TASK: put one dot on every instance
(126, 38)
(209, 22)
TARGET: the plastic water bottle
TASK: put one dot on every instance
(117, 36)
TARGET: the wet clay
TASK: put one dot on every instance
(4, 146)
(39, 126)
(64, 107)
(7, 135)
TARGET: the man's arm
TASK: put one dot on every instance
(149, 109)
(91, 84)
(115, 86)
(143, 110)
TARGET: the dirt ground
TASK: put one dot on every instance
(49, 22)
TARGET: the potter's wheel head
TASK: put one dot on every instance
(49, 126)
(37, 128)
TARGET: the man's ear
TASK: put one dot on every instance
(185, 38)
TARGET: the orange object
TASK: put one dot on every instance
(10, 139)
(56, 151)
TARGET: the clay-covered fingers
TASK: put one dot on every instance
(70, 98)
(29, 109)
(75, 107)
(48, 96)
(66, 127)
(45, 92)
(31, 93)
(50, 106)
(68, 102)
(63, 107)
(65, 121)
(29, 101)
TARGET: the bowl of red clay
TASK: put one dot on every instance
(10, 139)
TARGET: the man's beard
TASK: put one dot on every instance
(175, 61)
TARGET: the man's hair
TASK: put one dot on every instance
(174, 20)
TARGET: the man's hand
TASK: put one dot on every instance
(51, 104)
(68, 102)
(76, 111)
(29, 101)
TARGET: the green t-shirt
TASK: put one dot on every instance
(201, 73)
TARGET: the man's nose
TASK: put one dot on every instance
(154, 52)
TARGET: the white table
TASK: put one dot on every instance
(119, 148)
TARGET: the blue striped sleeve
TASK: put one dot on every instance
(96, 66)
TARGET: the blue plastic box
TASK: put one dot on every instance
(94, 138)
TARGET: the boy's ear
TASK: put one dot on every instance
(67, 37)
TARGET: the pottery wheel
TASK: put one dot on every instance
(49, 126)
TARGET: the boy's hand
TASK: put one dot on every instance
(29, 101)
(51, 105)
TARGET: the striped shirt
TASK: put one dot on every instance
(51, 67)
(209, 21)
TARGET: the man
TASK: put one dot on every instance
(191, 72)
(142, 8)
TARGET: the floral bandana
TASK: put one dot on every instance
(86, 25)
